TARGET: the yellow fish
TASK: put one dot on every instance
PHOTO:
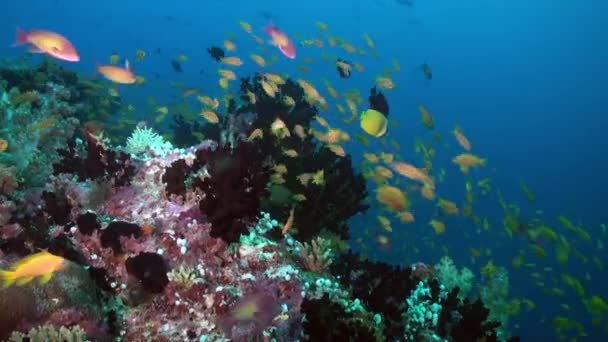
(246, 26)
(210, 116)
(42, 264)
(234, 61)
(229, 45)
(140, 54)
(374, 123)
(259, 60)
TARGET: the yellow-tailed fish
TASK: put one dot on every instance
(42, 264)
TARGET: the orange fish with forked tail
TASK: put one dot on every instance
(42, 264)
(118, 74)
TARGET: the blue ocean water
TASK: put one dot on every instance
(526, 81)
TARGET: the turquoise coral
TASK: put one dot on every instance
(145, 139)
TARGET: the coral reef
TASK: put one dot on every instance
(413, 302)
(178, 244)
(39, 109)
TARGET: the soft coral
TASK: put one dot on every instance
(233, 191)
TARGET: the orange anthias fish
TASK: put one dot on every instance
(51, 43)
(281, 41)
(289, 222)
(117, 74)
(42, 264)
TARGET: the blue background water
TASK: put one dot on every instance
(525, 79)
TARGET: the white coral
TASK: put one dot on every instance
(144, 140)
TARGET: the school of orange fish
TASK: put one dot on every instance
(403, 180)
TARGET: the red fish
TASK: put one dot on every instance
(51, 43)
(281, 41)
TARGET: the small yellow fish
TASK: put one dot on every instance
(370, 157)
(3, 145)
(304, 178)
(234, 61)
(246, 26)
(140, 55)
(426, 117)
(206, 100)
(438, 226)
(140, 79)
(259, 60)
(279, 129)
(321, 25)
(359, 67)
(42, 264)
(337, 149)
(252, 98)
(269, 89)
(114, 58)
(258, 39)
(299, 131)
(396, 65)
(288, 101)
(229, 74)
(291, 153)
(210, 116)
(183, 58)
(385, 83)
(318, 178)
(223, 82)
(321, 121)
(299, 198)
(406, 217)
(229, 45)
(369, 41)
(280, 169)
(256, 134)
(274, 78)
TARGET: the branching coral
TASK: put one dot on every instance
(185, 276)
(316, 256)
(49, 333)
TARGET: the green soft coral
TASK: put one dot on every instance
(449, 275)
(34, 128)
